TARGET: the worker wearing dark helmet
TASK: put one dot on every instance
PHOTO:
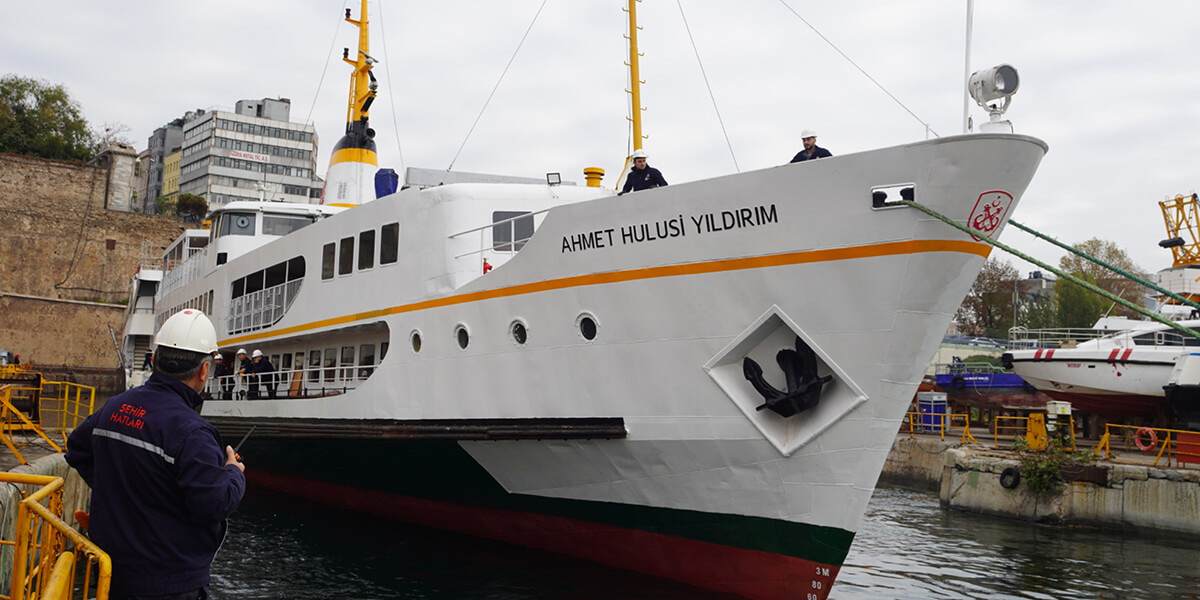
(162, 486)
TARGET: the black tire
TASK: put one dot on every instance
(1010, 478)
(958, 382)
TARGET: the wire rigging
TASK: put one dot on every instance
(711, 96)
(497, 86)
(860, 69)
(387, 74)
(321, 81)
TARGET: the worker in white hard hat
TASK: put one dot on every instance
(811, 150)
(162, 486)
(642, 176)
(223, 373)
(262, 376)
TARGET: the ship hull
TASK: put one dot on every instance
(439, 484)
(1127, 385)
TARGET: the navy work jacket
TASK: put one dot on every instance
(160, 488)
(643, 179)
(818, 152)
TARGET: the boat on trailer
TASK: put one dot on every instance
(699, 381)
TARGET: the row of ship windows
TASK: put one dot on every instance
(518, 331)
(340, 256)
(202, 303)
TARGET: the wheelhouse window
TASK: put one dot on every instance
(236, 223)
(389, 243)
(284, 224)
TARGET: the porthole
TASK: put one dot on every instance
(415, 338)
(518, 332)
(587, 326)
(463, 336)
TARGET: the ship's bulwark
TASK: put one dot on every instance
(438, 484)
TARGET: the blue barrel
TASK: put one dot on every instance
(386, 182)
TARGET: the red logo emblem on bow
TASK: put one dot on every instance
(989, 212)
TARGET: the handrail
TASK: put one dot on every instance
(42, 537)
(945, 423)
(1166, 441)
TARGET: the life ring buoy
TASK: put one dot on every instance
(1010, 478)
(1145, 446)
(958, 382)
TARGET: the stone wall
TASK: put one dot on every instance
(58, 242)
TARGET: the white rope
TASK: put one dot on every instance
(712, 97)
(860, 69)
(497, 86)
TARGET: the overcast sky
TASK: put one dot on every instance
(1113, 87)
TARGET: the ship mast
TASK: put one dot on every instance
(635, 84)
(350, 178)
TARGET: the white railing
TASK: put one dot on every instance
(263, 308)
(180, 274)
(510, 246)
(301, 382)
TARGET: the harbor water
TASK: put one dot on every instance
(908, 548)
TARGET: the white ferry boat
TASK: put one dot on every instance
(699, 381)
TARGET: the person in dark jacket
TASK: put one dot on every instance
(162, 486)
(243, 369)
(224, 377)
(262, 376)
(811, 150)
(642, 176)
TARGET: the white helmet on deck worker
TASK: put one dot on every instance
(808, 133)
(639, 153)
(257, 353)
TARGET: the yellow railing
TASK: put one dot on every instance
(1015, 428)
(1177, 445)
(938, 422)
(43, 566)
(57, 405)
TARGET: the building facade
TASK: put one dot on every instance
(253, 153)
(163, 141)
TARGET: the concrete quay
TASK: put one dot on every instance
(1104, 494)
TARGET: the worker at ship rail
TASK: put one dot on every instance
(262, 376)
(243, 366)
(224, 375)
(162, 486)
(642, 176)
(811, 150)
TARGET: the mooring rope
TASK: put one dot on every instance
(1077, 281)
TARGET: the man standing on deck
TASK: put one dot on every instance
(161, 485)
(811, 150)
(262, 376)
(642, 176)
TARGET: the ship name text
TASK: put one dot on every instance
(677, 226)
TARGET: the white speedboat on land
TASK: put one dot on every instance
(699, 381)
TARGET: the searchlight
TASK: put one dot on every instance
(992, 89)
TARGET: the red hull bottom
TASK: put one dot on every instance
(748, 573)
(1113, 405)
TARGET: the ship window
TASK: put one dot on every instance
(237, 224)
(415, 338)
(463, 336)
(327, 254)
(587, 326)
(330, 364)
(239, 288)
(286, 365)
(295, 268)
(347, 363)
(366, 360)
(511, 230)
(284, 224)
(389, 243)
(519, 333)
(346, 256)
(366, 249)
(383, 346)
(276, 274)
(314, 365)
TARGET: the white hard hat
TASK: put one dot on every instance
(241, 351)
(188, 330)
(639, 153)
(217, 356)
(257, 353)
(807, 133)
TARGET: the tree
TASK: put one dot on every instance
(1103, 278)
(988, 308)
(1077, 306)
(191, 207)
(39, 119)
